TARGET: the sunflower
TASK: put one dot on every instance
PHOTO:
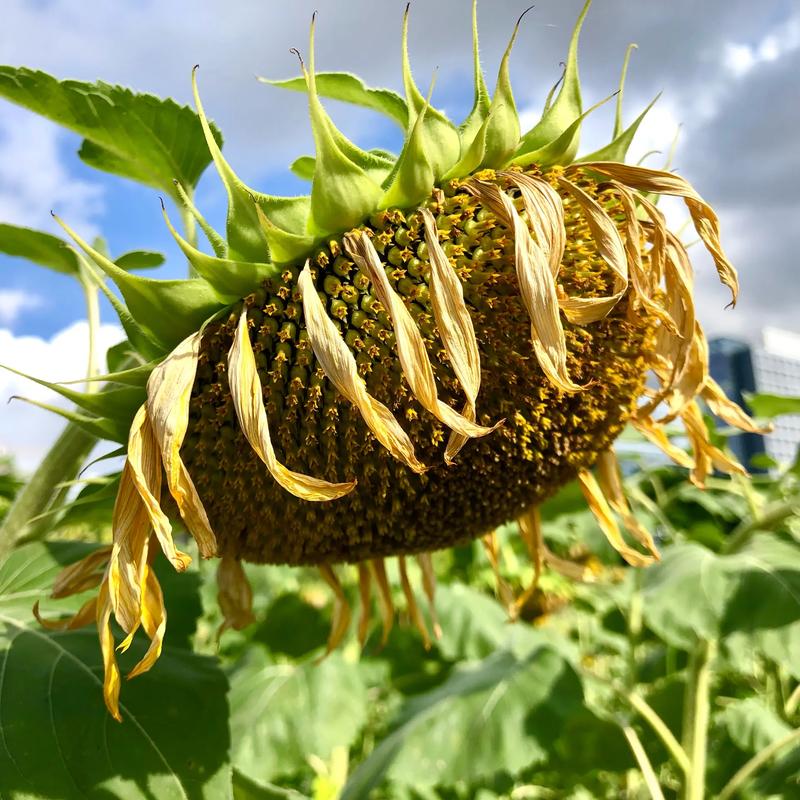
(426, 346)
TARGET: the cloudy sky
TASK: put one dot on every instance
(728, 70)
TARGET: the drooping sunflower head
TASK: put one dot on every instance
(424, 347)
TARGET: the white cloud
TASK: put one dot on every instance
(740, 58)
(34, 180)
(26, 432)
(14, 301)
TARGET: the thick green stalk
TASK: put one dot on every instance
(61, 464)
(696, 717)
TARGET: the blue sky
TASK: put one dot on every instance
(728, 70)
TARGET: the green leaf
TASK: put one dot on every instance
(503, 713)
(694, 593)
(751, 725)
(565, 110)
(282, 713)
(137, 136)
(139, 259)
(41, 248)
(59, 741)
(351, 89)
(773, 405)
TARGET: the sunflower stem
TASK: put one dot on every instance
(645, 765)
(61, 464)
(696, 717)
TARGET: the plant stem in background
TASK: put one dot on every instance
(771, 517)
(754, 764)
(696, 710)
(639, 753)
(61, 464)
(648, 714)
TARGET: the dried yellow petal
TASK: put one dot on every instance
(610, 480)
(705, 220)
(111, 676)
(144, 462)
(341, 608)
(248, 401)
(653, 431)
(82, 575)
(410, 345)
(86, 613)
(411, 603)
(537, 287)
(706, 455)
(385, 603)
(365, 598)
(429, 587)
(169, 390)
(504, 591)
(455, 328)
(234, 594)
(154, 622)
(605, 519)
(340, 367)
(583, 310)
(545, 213)
(728, 411)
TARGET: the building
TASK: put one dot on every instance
(770, 368)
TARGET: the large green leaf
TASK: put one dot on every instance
(283, 713)
(694, 593)
(503, 713)
(59, 741)
(137, 136)
(54, 253)
(751, 725)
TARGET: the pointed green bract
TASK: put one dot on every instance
(169, 310)
(618, 124)
(618, 149)
(101, 427)
(244, 236)
(118, 404)
(469, 128)
(378, 164)
(413, 180)
(440, 138)
(230, 278)
(557, 151)
(565, 109)
(502, 124)
(351, 89)
(214, 239)
(342, 194)
(283, 246)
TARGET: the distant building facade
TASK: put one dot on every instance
(771, 368)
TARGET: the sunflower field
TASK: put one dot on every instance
(417, 485)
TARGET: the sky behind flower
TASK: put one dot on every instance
(727, 68)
